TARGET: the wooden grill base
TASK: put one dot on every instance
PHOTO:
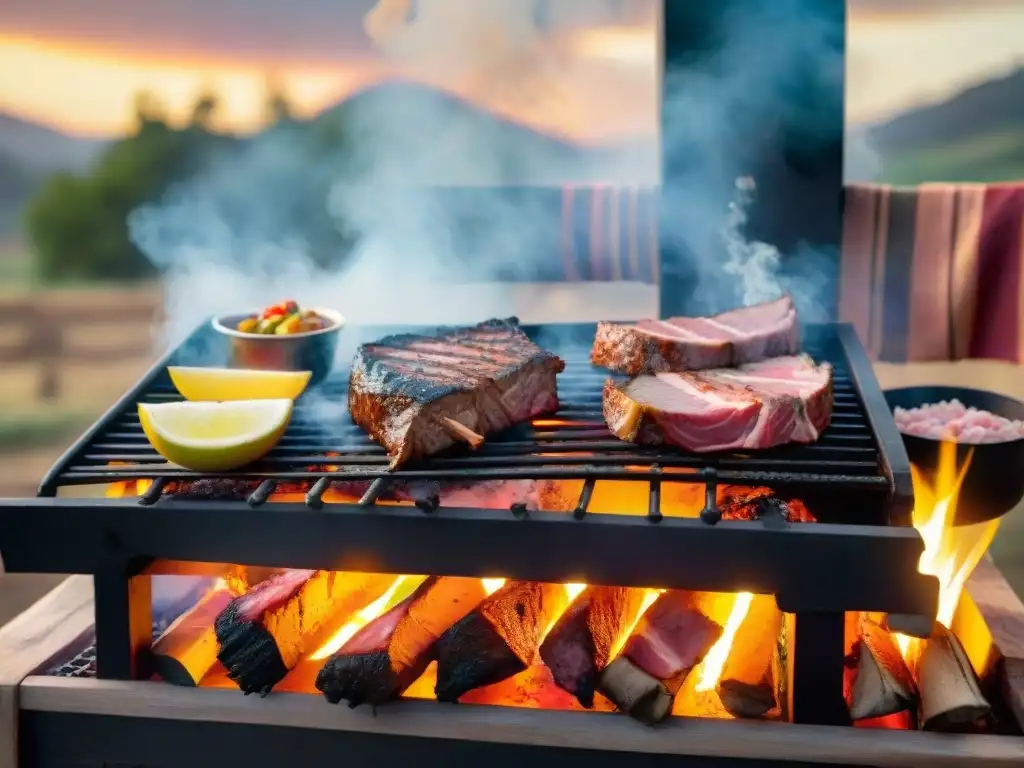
(53, 722)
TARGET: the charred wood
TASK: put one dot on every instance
(951, 698)
(881, 681)
(264, 633)
(387, 655)
(746, 686)
(187, 650)
(498, 639)
(737, 502)
(670, 640)
(580, 645)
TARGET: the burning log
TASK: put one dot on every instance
(670, 640)
(951, 699)
(745, 685)
(187, 650)
(497, 640)
(584, 639)
(881, 681)
(264, 633)
(387, 655)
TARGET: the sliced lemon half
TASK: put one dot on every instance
(225, 384)
(214, 437)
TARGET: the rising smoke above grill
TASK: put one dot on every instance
(432, 187)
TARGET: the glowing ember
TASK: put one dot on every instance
(402, 587)
(950, 553)
(649, 598)
(493, 585)
(714, 662)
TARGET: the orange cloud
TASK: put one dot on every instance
(87, 92)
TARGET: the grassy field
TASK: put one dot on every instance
(986, 158)
(15, 266)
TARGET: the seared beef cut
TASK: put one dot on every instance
(581, 643)
(760, 405)
(418, 395)
(497, 640)
(670, 640)
(264, 633)
(387, 655)
(744, 335)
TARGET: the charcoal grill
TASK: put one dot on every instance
(862, 555)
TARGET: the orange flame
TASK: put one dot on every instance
(714, 662)
(950, 554)
(400, 589)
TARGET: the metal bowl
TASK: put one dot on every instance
(310, 351)
(994, 483)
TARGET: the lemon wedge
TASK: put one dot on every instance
(214, 437)
(225, 384)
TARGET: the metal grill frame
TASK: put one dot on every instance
(820, 567)
(816, 571)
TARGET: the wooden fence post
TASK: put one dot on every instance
(47, 338)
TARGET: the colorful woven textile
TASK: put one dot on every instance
(935, 272)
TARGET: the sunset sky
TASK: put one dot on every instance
(78, 65)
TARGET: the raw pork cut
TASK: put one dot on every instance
(744, 335)
(760, 405)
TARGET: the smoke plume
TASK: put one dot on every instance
(410, 204)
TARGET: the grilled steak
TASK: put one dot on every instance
(761, 405)
(407, 390)
(744, 335)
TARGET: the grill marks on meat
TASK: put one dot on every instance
(387, 655)
(580, 644)
(497, 640)
(745, 335)
(486, 377)
(264, 633)
(756, 406)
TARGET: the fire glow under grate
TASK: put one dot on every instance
(317, 502)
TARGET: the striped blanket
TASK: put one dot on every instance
(935, 272)
(609, 234)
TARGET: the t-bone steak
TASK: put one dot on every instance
(405, 390)
(741, 336)
(759, 405)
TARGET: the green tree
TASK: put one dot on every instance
(78, 225)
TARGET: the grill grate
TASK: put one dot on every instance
(861, 555)
(322, 444)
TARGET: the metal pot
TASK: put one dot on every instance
(312, 351)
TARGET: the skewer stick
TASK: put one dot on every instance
(462, 432)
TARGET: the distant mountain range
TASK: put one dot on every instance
(482, 148)
(401, 118)
(975, 136)
(29, 153)
(991, 107)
